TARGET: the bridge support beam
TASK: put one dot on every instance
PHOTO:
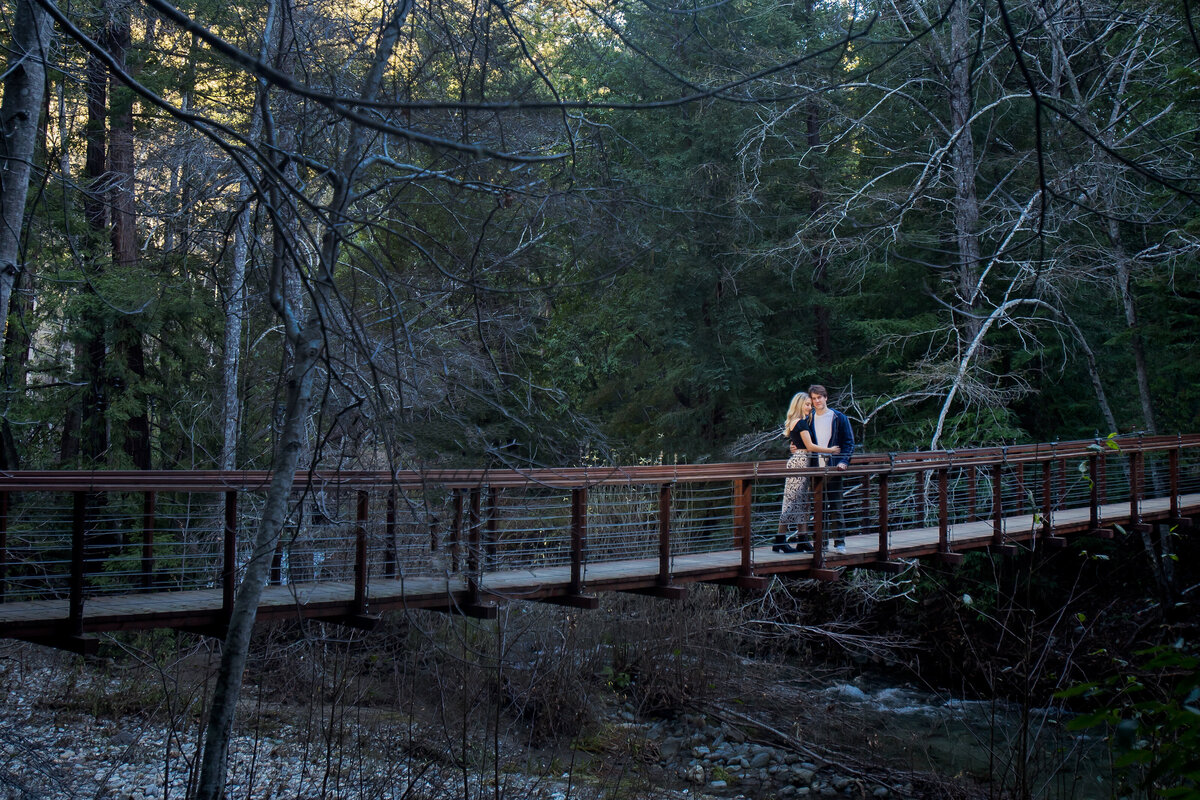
(587, 602)
(951, 559)
(890, 567)
(668, 592)
(476, 610)
(749, 583)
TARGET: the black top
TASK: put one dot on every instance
(802, 424)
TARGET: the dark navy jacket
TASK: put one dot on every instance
(841, 436)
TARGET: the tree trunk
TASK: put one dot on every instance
(1124, 278)
(308, 341)
(127, 339)
(24, 87)
(235, 293)
(90, 350)
(962, 162)
(822, 319)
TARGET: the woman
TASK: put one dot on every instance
(798, 430)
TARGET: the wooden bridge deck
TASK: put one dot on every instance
(203, 608)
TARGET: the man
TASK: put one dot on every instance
(832, 429)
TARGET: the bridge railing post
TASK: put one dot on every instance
(1060, 495)
(1135, 488)
(492, 526)
(3, 546)
(1093, 493)
(473, 550)
(1019, 469)
(1047, 499)
(943, 483)
(148, 522)
(864, 484)
(456, 531)
(818, 531)
(1102, 478)
(390, 555)
(579, 503)
(78, 573)
(972, 477)
(743, 492)
(998, 505)
(664, 535)
(1173, 468)
(360, 554)
(884, 554)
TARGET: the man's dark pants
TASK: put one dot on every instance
(834, 510)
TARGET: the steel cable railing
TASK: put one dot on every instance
(64, 537)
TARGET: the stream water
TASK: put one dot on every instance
(1025, 752)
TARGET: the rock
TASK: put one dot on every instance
(701, 751)
(761, 759)
(669, 748)
(803, 776)
(695, 774)
(123, 738)
(881, 791)
(840, 783)
(717, 784)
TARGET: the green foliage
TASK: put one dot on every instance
(1151, 713)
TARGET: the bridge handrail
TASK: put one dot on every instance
(574, 477)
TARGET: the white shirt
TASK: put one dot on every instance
(823, 428)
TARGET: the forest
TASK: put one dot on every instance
(487, 233)
(414, 234)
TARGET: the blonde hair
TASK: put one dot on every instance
(793, 412)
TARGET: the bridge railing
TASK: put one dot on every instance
(78, 535)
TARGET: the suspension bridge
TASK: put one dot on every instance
(88, 552)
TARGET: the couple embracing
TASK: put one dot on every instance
(818, 436)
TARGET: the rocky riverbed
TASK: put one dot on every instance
(54, 749)
(56, 755)
(63, 737)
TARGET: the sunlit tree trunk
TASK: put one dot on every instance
(19, 116)
(235, 290)
(19, 129)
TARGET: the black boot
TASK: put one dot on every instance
(781, 545)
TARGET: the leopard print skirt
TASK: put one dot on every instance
(797, 500)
